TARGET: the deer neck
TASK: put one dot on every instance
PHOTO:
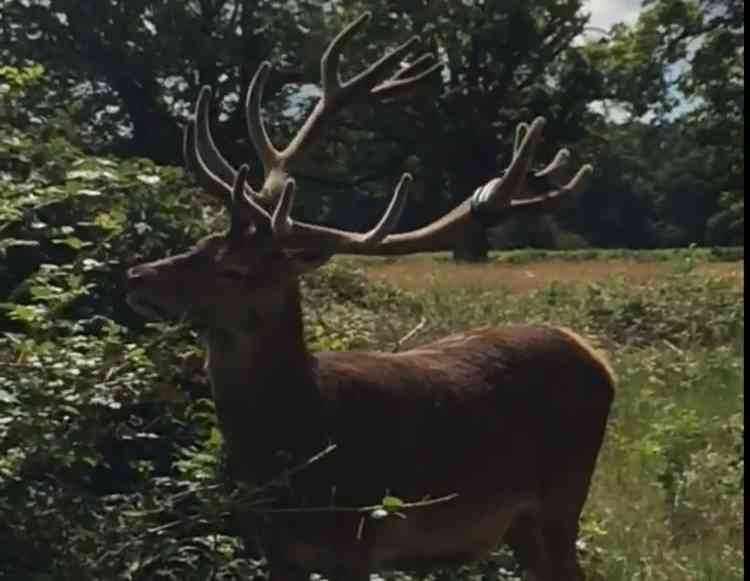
(263, 381)
(265, 351)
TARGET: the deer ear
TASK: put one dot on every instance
(307, 260)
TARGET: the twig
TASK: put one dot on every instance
(282, 478)
(674, 348)
(354, 510)
(410, 335)
(163, 528)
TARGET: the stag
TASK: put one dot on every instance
(504, 424)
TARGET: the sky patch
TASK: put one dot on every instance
(605, 13)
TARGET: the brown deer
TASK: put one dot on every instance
(504, 424)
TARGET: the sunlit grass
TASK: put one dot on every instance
(667, 501)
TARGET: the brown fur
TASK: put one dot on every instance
(510, 419)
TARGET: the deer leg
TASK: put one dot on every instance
(526, 538)
(562, 509)
(561, 543)
(565, 496)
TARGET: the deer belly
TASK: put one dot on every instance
(420, 541)
(426, 537)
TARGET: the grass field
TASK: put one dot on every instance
(667, 501)
(424, 274)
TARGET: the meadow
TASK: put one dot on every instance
(667, 500)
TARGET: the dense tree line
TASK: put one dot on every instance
(121, 76)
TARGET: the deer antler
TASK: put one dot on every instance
(218, 177)
(336, 94)
(491, 203)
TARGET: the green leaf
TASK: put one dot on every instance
(72, 242)
(149, 180)
(7, 397)
(12, 242)
(215, 440)
(28, 313)
(89, 193)
(392, 504)
(85, 174)
(45, 292)
(109, 220)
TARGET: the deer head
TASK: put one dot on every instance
(256, 263)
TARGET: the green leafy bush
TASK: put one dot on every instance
(111, 462)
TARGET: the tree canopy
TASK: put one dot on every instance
(120, 77)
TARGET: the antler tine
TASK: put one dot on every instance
(366, 80)
(579, 182)
(561, 160)
(337, 92)
(521, 132)
(529, 138)
(205, 141)
(410, 69)
(331, 59)
(549, 200)
(268, 154)
(334, 91)
(499, 193)
(405, 79)
(303, 234)
(215, 174)
(238, 193)
(392, 215)
(208, 181)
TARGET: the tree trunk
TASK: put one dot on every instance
(475, 168)
(474, 247)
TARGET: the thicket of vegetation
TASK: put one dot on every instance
(110, 459)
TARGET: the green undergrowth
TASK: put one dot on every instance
(711, 254)
(668, 497)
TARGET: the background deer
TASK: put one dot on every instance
(509, 420)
